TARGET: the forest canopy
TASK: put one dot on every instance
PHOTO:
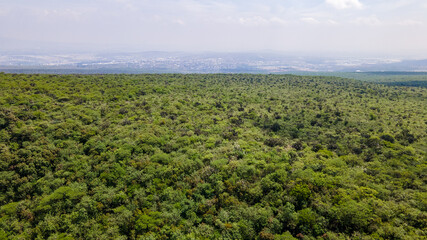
(216, 156)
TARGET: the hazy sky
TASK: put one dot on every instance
(381, 27)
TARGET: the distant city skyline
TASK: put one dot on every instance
(318, 27)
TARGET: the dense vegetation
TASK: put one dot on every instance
(408, 79)
(211, 156)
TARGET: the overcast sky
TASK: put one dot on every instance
(372, 27)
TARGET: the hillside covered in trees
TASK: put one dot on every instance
(221, 156)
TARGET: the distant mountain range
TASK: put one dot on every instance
(181, 62)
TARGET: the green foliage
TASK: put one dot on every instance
(148, 222)
(218, 156)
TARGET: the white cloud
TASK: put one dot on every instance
(344, 4)
(310, 20)
(4, 11)
(179, 22)
(59, 14)
(410, 22)
(253, 21)
(332, 22)
(369, 21)
(261, 21)
(278, 21)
